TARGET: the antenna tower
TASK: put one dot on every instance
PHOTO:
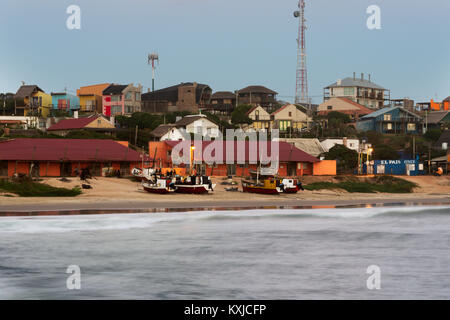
(301, 88)
(152, 57)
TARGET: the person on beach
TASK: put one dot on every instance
(439, 172)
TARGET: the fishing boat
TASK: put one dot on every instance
(194, 185)
(290, 185)
(266, 186)
(160, 186)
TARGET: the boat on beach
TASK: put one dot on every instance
(160, 186)
(267, 186)
(272, 186)
(290, 185)
(194, 185)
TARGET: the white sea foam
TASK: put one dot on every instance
(58, 224)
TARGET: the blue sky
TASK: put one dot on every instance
(227, 44)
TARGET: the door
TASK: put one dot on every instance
(3, 168)
(231, 169)
(291, 169)
(124, 168)
(34, 171)
(66, 169)
(96, 171)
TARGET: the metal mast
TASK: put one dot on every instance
(152, 57)
(301, 88)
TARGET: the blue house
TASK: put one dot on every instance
(409, 167)
(65, 102)
(391, 120)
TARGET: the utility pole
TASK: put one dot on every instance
(135, 136)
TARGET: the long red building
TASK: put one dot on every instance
(62, 157)
(292, 161)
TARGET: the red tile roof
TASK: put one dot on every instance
(280, 109)
(72, 124)
(287, 152)
(363, 109)
(28, 149)
(251, 110)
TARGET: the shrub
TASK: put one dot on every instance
(385, 184)
(28, 188)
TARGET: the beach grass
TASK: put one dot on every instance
(30, 188)
(385, 184)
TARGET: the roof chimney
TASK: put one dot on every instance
(369, 77)
(362, 76)
(354, 75)
(339, 82)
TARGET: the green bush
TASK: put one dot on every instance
(385, 184)
(35, 189)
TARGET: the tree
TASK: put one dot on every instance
(239, 116)
(433, 135)
(338, 117)
(347, 159)
(385, 152)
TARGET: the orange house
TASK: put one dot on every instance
(436, 106)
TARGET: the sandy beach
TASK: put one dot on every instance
(124, 194)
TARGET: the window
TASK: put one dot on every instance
(116, 110)
(290, 114)
(138, 96)
(116, 98)
(128, 96)
(411, 127)
(257, 115)
(387, 117)
(329, 107)
(349, 91)
(284, 125)
(389, 126)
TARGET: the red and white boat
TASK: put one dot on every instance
(161, 186)
(195, 185)
(290, 186)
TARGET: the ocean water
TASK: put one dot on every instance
(253, 254)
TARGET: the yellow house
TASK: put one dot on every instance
(260, 117)
(35, 101)
(91, 97)
(289, 117)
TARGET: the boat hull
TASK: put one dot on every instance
(291, 190)
(157, 190)
(252, 189)
(191, 189)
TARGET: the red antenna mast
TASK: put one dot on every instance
(301, 88)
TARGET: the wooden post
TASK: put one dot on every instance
(136, 135)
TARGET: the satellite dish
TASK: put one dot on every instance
(296, 14)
